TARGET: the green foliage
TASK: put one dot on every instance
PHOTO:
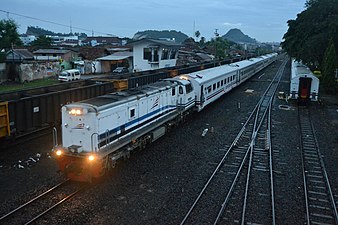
(197, 34)
(219, 46)
(32, 84)
(308, 35)
(9, 34)
(328, 68)
(38, 31)
(202, 41)
(42, 42)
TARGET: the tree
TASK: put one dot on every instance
(219, 46)
(202, 41)
(197, 34)
(42, 42)
(308, 35)
(9, 36)
(328, 68)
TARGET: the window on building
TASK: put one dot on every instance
(147, 54)
(165, 54)
(155, 55)
(173, 54)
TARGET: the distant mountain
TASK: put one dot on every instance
(38, 31)
(236, 35)
(178, 36)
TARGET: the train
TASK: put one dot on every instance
(304, 85)
(97, 132)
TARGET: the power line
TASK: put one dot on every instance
(55, 23)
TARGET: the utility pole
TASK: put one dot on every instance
(216, 36)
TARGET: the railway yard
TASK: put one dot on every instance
(160, 184)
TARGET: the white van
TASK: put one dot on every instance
(69, 75)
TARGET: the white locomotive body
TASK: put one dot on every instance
(97, 132)
(304, 85)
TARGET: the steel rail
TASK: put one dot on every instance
(271, 169)
(55, 205)
(322, 166)
(234, 143)
(278, 75)
(333, 202)
(34, 199)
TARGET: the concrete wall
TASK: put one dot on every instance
(3, 75)
(34, 70)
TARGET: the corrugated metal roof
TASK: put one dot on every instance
(116, 56)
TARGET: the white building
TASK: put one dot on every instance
(27, 39)
(151, 54)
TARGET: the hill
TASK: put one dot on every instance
(178, 36)
(236, 35)
(37, 31)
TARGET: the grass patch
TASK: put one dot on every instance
(6, 87)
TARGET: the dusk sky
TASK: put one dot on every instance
(264, 20)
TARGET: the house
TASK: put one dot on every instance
(19, 55)
(94, 41)
(22, 66)
(27, 39)
(152, 54)
(54, 55)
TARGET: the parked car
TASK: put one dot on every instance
(120, 70)
(69, 75)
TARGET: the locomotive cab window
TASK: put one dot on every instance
(131, 113)
(180, 90)
(188, 87)
(173, 91)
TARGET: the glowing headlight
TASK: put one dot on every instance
(75, 112)
(58, 152)
(91, 158)
(183, 77)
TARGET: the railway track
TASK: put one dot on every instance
(242, 183)
(42, 204)
(320, 204)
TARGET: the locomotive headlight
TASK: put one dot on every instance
(58, 152)
(91, 158)
(183, 77)
(77, 111)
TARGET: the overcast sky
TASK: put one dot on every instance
(264, 20)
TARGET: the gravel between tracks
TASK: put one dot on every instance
(159, 184)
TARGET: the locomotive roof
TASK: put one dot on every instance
(299, 69)
(115, 98)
